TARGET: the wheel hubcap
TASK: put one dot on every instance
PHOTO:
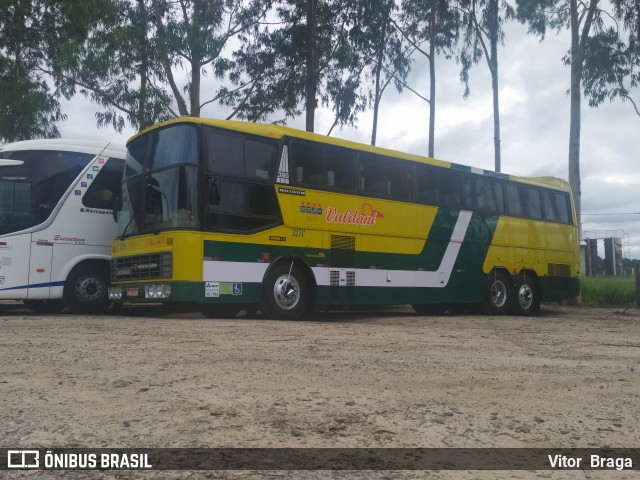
(525, 296)
(89, 289)
(498, 294)
(286, 292)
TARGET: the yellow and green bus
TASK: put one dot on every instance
(233, 215)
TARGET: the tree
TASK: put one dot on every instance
(601, 59)
(612, 58)
(330, 75)
(30, 42)
(133, 63)
(435, 23)
(482, 28)
(118, 69)
(382, 51)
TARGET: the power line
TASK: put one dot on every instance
(612, 214)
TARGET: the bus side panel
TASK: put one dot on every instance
(548, 249)
(78, 232)
(67, 256)
(14, 266)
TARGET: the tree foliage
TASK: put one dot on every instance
(435, 24)
(482, 27)
(145, 61)
(36, 35)
(383, 53)
(603, 56)
(277, 56)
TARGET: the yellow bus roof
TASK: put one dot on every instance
(271, 130)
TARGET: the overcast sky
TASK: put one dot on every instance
(534, 118)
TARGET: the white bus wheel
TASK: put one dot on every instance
(85, 290)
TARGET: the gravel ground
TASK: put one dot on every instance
(569, 377)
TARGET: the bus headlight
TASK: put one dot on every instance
(115, 293)
(161, 290)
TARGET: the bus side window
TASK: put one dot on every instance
(515, 205)
(106, 186)
(450, 193)
(438, 186)
(562, 201)
(531, 203)
(373, 175)
(555, 205)
(225, 154)
(483, 194)
(400, 179)
(260, 159)
(548, 207)
(340, 168)
(427, 190)
(306, 159)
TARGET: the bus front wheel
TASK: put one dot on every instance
(85, 290)
(286, 292)
(497, 294)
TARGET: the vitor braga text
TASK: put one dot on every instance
(595, 461)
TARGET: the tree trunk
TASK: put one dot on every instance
(378, 92)
(376, 105)
(312, 65)
(578, 40)
(493, 67)
(144, 68)
(196, 57)
(195, 86)
(432, 79)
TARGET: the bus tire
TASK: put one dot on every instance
(497, 294)
(44, 306)
(286, 292)
(85, 290)
(526, 300)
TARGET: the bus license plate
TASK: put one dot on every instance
(132, 292)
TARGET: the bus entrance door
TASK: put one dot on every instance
(40, 268)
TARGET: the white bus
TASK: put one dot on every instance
(56, 223)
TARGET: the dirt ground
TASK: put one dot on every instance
(569, 377)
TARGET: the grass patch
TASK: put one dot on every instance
(609, 291)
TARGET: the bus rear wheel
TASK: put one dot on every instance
(85, 290)
(286, 292)
(526, 300)
(497, 294)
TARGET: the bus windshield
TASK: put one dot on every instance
(32, 182)
(160, 186)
